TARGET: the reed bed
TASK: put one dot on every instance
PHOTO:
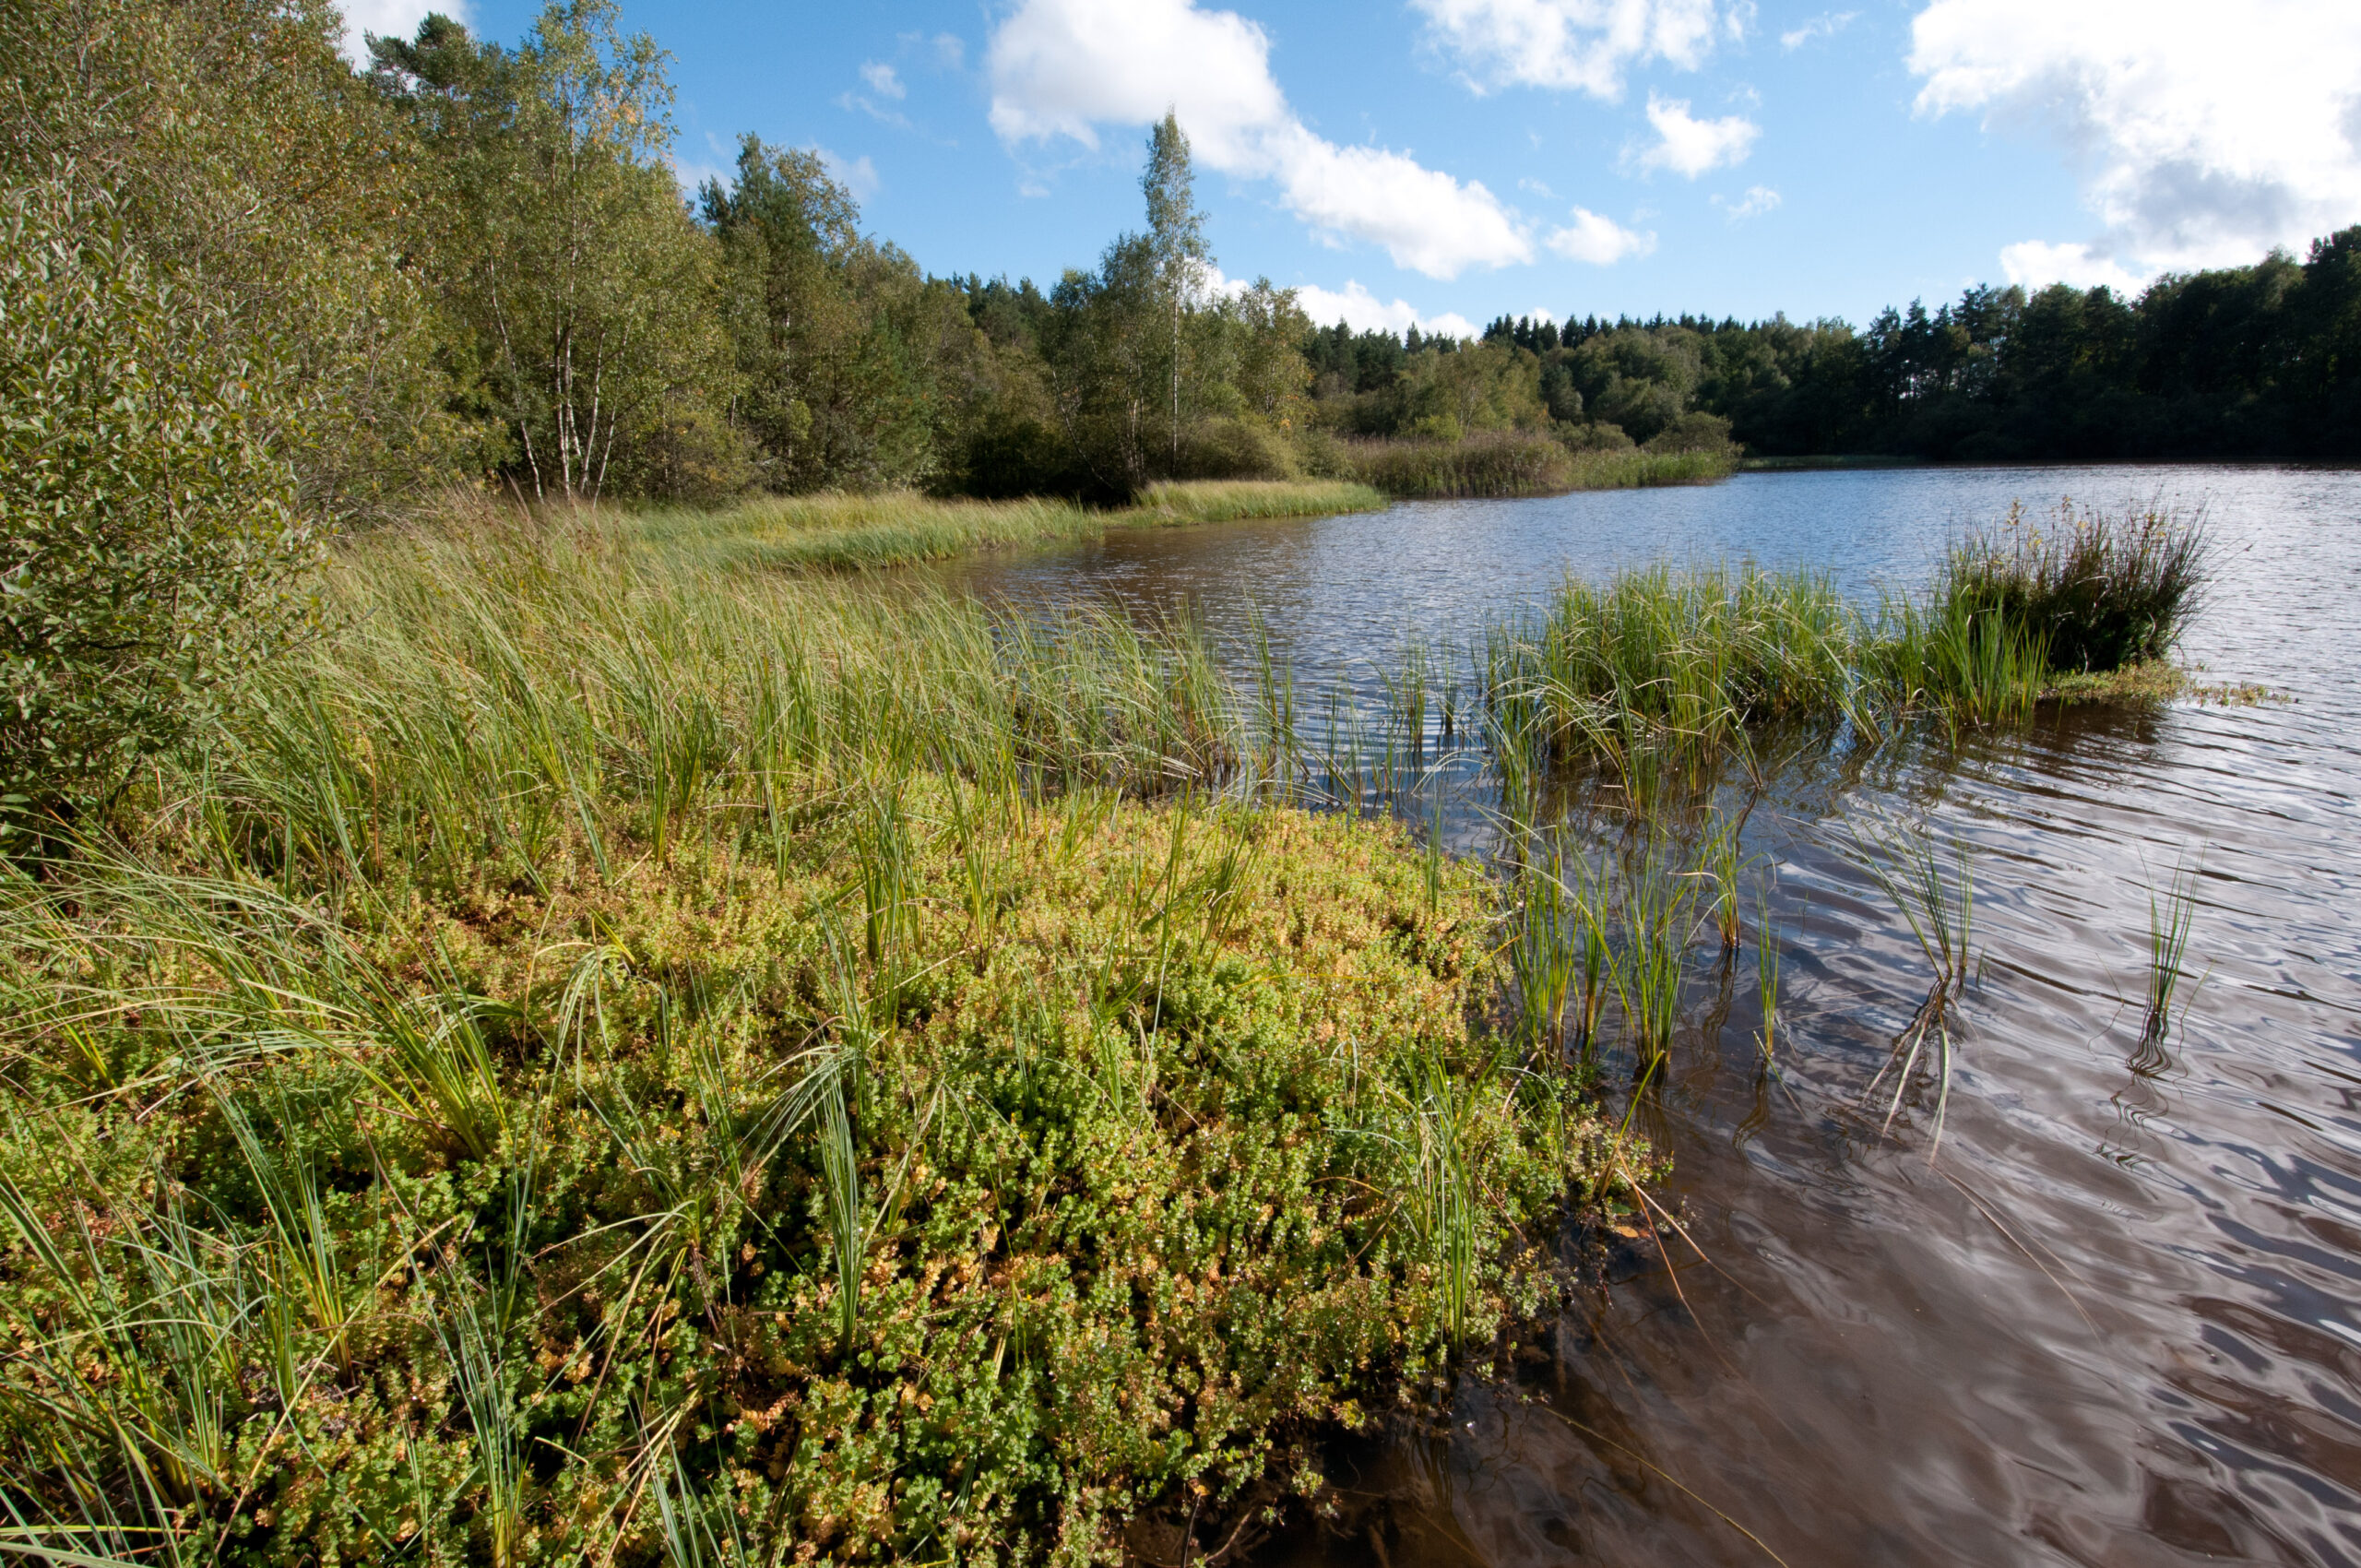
(604, 1059)
(903, 527)
(1512, 463)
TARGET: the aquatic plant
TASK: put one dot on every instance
(2172, 914)
(2098, 591)
(1655, 903)
(1937, 901)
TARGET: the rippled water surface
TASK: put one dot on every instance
(2116, 1317)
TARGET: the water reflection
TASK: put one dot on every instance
(2119, 1319)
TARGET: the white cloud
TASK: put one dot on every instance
(1066, 67)
(950, 53)
(1758, 200)
(883, 79)
(391, 19)
(1364, 311)
(2035, 262)
(692, 172)
(858, 176)
(1690, 147)
(2205, 134)
(1828, 24)
(1582, 45)
(1598, 240)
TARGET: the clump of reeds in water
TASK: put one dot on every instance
(1658, 658)
(1657, 667)
(2099, 591)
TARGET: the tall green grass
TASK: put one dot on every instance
(1514, 463)
(1655, 667)
(902, 527)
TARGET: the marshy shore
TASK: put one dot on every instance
(603, 1053)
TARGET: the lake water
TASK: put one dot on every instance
(2116, 1319)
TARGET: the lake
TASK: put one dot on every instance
(2115, 1317)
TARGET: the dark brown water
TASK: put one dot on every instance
(2117, 1318)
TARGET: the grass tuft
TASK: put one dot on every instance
(2099, 591)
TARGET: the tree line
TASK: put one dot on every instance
(2246, 361)
(475, 260)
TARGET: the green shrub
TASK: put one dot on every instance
(1236, 448)
(151, 550)
(2099, 591)
(1695, 431)
(1597, 435)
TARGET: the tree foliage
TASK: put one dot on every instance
(584, 297)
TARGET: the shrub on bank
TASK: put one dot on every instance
(151, 550)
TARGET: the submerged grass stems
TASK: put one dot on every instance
(1936, 900)
(1766, 970)
(572, 1003)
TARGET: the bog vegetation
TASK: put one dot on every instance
(528, 1042)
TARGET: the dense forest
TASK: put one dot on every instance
(474, 261)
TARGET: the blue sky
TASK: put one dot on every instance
(1450, 160)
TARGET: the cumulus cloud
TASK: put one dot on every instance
(391, 19)
(1364, 311)
(1598, 240)
(883, 79)
(1828, 24)
(1690, 147)
(2035, 262)
(1758, 200)
(1064, 69)
(1582, 45)
(2205, 137)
